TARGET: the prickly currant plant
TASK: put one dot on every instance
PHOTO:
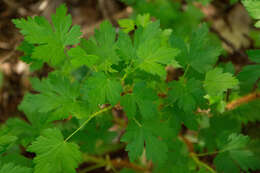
(112, 92)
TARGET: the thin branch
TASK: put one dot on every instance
(188, 143)
(186, 70)
(201, 164)
(116, 163)
(243, 100)
(91, 168)
(126, 164)
(208, 153)
(137, 122)
(194, 156)
(86, 122)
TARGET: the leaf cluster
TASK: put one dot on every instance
(69, 117)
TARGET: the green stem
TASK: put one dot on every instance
(91, 168)
(96, 113)
(137, 122)
(208, 153)
(93, 159)
(128, 72)
(215, 152)
(201, 164)
(186, 70)
(86, 122)
(100, 162)
(123, 78)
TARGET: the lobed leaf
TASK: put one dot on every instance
(216, 82)
(52, 38)
(53, 154)
(11, 168)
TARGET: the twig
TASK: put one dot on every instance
(86, 122)
(209, 153)
(194, 156)
(91, 168)
(137, 122)
(116, 163)
(126, 164)
(201, 164)
(245, 99)
(186, 70)
(187, 142)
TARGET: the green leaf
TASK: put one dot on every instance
(53, 154)
(204, 2)
(187, 94)
(62, 27)
(152, 57)
(216, 82)
(27, 49)
(55, 53)
(100, 89)
(27, 132)
(175, 121)
(127, 25)
(219, 129)
(6, 141)
(257, 24)
(235, 141)
(228, 67)
(16, 157)
(143, 98)
(232, 2)
(253, 7)
(135, 138)
(178, 116)
(248, 77)
(165, 35)
(245, 113)
(36, 30)
(129, 104)
(50, 38)
(254, 55)
(125, 170)
(225, 164)
(57, 96)
(150, 32)
(235, 149)
(143, 20)
(79, 57)
(200, 52)
(103, 46)
(148, 132)
(96, 138)
(177, 154)
(125, 47)
(11, 168)
(156, 149)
